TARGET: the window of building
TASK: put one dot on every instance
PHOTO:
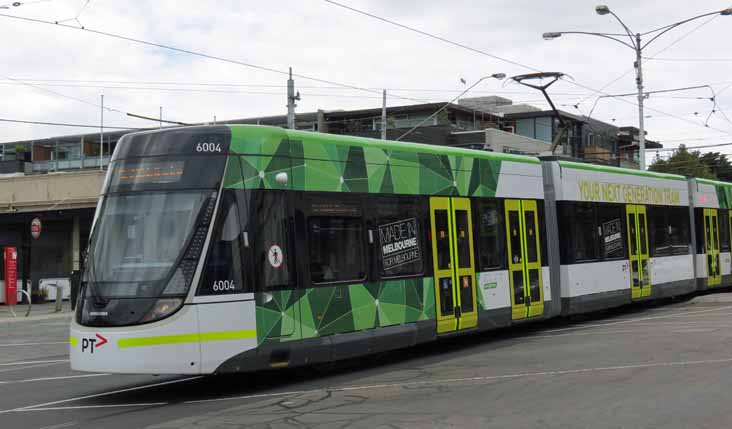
(658, 234)
(272, 246)
(336, 240)
(398, 234)
(525, 127)
(223, 272)
(490, 239)
(612, 240)
(543, 129)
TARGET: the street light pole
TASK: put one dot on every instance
(637, 46)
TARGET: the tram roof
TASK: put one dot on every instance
(714, 182)
(407, 146)
(618, 170)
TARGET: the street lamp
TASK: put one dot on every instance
(492, 76)
(635, 43)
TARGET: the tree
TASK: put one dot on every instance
(718, 164)
(685, 163)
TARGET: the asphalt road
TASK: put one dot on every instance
(664, 365)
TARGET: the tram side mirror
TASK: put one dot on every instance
(282, 178)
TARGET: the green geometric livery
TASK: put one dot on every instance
(326, 163)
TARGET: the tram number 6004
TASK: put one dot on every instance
(223, 285)
(208, 147)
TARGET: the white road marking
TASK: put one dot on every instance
(639, 319)
(626, 331)
(90, 407)
(443, 382)
(96, 395)
(30, 362)
(33, 344)
(67, 377)
(23, 368)
(59, 426)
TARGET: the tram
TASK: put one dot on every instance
(223, 249)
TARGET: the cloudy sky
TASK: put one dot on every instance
(40, 64)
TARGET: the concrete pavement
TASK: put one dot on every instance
(643, 366)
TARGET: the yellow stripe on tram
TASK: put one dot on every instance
(186, 338)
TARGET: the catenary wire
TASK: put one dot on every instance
(63, 124)
(199, 54)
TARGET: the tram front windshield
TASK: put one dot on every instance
(149, 234)
(141, 236)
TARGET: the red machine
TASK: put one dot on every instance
(11, 275)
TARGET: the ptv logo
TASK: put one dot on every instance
(92, 343)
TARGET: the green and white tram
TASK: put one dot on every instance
(238, 248)
(711, 200)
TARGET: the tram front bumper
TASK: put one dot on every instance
(169, 346)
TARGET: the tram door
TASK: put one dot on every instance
(640, 277)
(452, 253)
(524, 258)
(711, 240)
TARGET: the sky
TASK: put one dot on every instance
(50, 73)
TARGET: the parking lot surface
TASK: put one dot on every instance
(660, 365)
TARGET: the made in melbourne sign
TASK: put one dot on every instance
(399, 243)
(612, 236)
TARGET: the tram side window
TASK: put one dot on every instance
(701, 240)
(612, 240)
(223, 272)
(398, 236)
(678, 220)
(490, 240)
(724, 230)
(658, 231)
(272, 247)
(579, 233)
(336, 241)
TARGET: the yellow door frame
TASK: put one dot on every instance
(711, 239)
(640, 276)
(526, 308)
(467, 318)
(453, 273)
(531, 239)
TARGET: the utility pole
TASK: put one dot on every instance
(101, 136)
(161, 117)
(292, 97)
(639, 84)
(383, 116)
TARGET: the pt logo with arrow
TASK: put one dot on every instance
(92, 343)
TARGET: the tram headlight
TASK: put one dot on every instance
(163, 307)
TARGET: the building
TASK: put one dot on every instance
(57, 180)
(586, 139)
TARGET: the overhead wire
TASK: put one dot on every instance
(200, 54)
(64, 124)
(461, 45)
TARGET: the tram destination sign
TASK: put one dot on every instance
(399, 243)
